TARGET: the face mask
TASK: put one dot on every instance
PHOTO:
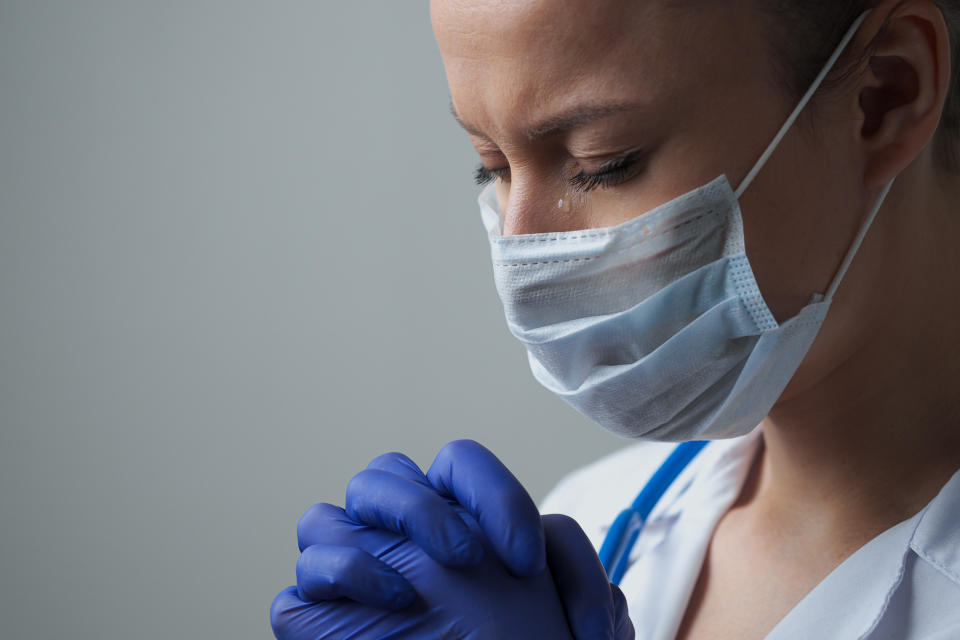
(656, 328)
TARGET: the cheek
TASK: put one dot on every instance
(546, 204)
(800, 215)
(503, 195)
(552, 207)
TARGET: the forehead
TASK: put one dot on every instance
(524, 57)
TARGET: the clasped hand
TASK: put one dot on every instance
(458, 553)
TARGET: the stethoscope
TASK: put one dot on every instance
(623, 533)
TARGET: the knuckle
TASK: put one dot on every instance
(304, 567)
(561, 522)
(322, 570)
(458, 453)
(359, 485)
(381, 500)
(459, 449)
(418, 504)
(389, 459)
(282, 611)
(314, 520)
(347, 561)
(316, 514)
(399, 464)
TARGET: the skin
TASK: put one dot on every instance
(867, 431)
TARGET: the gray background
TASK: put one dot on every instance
(240, 256)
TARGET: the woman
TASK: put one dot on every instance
(669, 306)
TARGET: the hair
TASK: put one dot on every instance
(813, 28)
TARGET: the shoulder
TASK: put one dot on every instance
(593, 495)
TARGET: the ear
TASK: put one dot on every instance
(904, 87)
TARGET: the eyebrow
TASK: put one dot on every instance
(561, 122)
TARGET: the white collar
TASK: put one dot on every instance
(708, 487)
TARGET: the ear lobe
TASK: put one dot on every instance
(905, 88)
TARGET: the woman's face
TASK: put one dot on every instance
(591, 112)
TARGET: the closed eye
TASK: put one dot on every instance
(482, 175)
(612, 173)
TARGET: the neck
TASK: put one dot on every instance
(872, 442)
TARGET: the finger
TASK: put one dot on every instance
(401, 465)
(285, 609)
(327, 572)
(329, 524)
(623, 626)
(293, 619)
(387, 501)
(468, 472)
(580, 579)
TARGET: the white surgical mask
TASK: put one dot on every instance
(656, 328)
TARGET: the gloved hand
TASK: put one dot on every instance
(449, 555)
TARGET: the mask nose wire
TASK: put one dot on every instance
(800, 105)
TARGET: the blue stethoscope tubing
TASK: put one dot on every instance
(623, 533)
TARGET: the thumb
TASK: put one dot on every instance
(580, 579)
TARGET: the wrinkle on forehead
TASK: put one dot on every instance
(542, 55)
(511, 62)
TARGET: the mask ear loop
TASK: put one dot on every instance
(868, 221)
(852, 251)
(803, 102)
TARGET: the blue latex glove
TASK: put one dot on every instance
(451, 555)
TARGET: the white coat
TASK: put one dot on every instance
(902, 585)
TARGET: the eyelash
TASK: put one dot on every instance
(610, 174)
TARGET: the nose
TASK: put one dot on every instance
(547, 209)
